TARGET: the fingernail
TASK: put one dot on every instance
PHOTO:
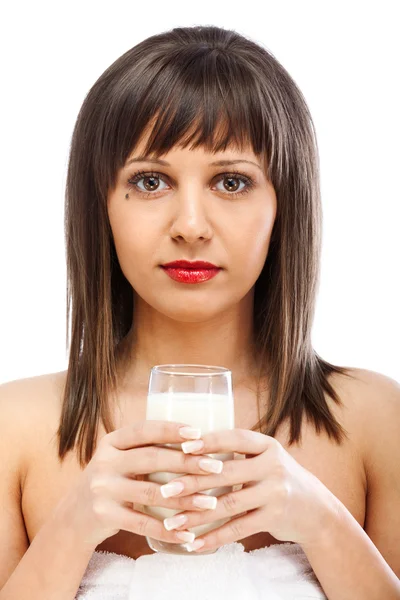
(185, 536)
(192, 446)
(210, 465)
(204, 501)
(190, 433)
(195, 545)
(174, 522)
(171, 489)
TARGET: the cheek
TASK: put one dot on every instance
(254, 239)
(132, 244)
(126, 244)
(128, 229)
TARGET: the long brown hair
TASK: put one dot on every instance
(207, 76)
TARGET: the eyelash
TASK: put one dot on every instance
(140, 174)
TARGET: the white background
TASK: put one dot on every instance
(345, 58)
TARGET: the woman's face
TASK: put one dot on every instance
(192, 209)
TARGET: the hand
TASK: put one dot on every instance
(279, 496)
(101, 504)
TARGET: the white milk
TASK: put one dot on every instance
(209, 412)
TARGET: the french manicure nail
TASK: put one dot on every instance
(190, 433)
(171, 489)
(192, 446)
(185, 536)
(204, 501)
(211, 465)
(174, 522)
(195, 545)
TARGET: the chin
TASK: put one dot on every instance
(194, 314)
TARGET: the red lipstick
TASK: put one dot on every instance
(185, 271)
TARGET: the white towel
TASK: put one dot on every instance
(278, 572)
(107, 577)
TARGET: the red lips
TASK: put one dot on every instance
(186, 264)
(185, 271)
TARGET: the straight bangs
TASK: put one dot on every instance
(217, 105)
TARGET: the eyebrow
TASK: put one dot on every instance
(218, 163)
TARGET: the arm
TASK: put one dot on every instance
(349, 562)
(52, 567)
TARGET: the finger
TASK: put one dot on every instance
(137, 522)
(155, 459)
(238, 440)
(231, 505)
(234, 472)
(144, 432)
(236, 529)
(145, 493)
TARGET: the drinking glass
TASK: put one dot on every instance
(200, 396)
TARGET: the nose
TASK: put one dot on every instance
(190, 220)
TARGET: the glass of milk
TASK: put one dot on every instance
(201, 396)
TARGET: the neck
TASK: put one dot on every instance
(225, 340)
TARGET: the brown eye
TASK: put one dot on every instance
(151, 183)
(232, 183)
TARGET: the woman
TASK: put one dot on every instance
(197, 145)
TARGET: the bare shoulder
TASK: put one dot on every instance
(29, 406)
(374, 401)
(370, 415)
(26, 407)
(370, 399)
(26, 396)
(369, 381)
